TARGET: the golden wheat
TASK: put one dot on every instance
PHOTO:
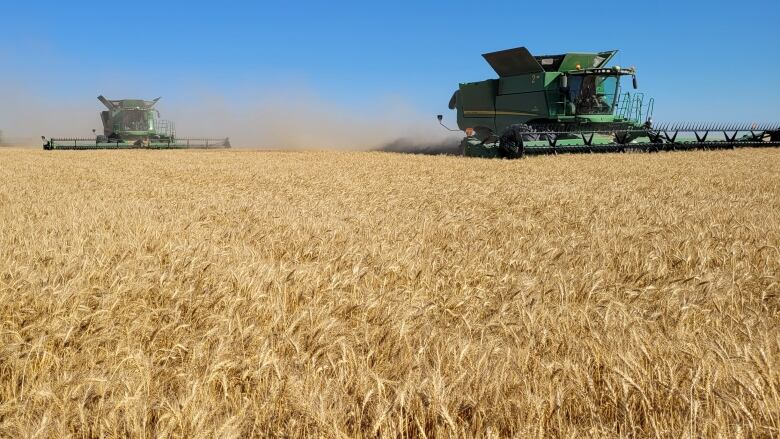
(244, 293)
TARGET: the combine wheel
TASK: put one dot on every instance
(512, 141)
(774, 136)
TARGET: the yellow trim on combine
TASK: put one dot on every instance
(495, 113)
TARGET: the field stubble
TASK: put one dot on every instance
(230, 293)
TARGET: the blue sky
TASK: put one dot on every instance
(700, 60)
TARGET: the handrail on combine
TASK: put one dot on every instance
(633, 107)
(650, 108)
(165, 127)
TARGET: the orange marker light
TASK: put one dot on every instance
(579, 67)
(469, 132)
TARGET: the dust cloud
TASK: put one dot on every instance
(305, 120)
(409, 145)
(25, 116)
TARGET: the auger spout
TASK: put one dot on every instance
(110, 105)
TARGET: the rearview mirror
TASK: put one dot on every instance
(564, 82)
(440, 117)
(634, 81)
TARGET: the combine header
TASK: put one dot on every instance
(572, 103)
(132, 124)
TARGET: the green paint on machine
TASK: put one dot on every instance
(531, 90)
(573, 103)
(133, 124)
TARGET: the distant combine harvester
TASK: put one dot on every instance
(134, 124)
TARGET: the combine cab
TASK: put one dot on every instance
(131, 124)
(573, 103)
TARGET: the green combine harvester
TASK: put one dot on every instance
(133, 124)
(573, 103)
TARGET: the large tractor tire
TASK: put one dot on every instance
(512, 141)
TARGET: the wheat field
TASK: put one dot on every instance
(355, 294)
